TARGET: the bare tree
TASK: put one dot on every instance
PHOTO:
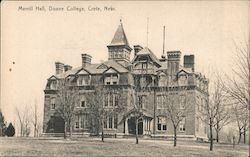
(137, 112)
(238, 86)
(35, 119)
(222, 119)
(100, 107)
(68, 98)
(212, 110)
(177, 108)
(242, 120)
(24, 120)
(223, 109)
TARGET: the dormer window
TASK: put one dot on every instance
(83, 80)
(144, 65)
(53, 84)
(111, 79)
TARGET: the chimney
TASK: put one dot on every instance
(59, 67)
(189, 62)
(67, 67)
(86, 59)
(137, 48)
(173, 61)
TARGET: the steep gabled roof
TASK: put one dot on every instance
(147, 51)
(120, 38)
(67, 73)
(110, 70)
(92, 69)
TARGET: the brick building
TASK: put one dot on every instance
(149, 79)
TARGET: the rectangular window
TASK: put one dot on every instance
(162, 123)
(107, 80)
(77, 125)
(144, 65)
(159, 126)
(53, 84)
(111, 100)
(53, 106)
(105, 123)
(116, 100)
(141, 101)
(82, 121)
(182, 125)
(80, 81)
(114, 79)
(115, 121)
(106, 100)
(53, 103)
(110, 121)
(83, 104)
(164, 127)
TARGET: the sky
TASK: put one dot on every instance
(32, 41)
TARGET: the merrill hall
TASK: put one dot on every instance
(147, 79)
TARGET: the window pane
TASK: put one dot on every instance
(82, 121)
(77, 125)
(116, 100)
(164, 127)
(159, 126)
(83, 104)
(106, 102)
(110, 122)
(115, 121)
(105, 122)
(111, 100)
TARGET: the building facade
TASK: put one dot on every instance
(144, 82)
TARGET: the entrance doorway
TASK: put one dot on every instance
(132, 128)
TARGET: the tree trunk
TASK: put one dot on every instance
(239, 136)
(217, 136)
(70, 130)
(102, 131)
(35, 128)
(244, 135)
(217, 131)
(175, 136)
(136, 130)
(21, 130)
(211, 137)
(65, 130)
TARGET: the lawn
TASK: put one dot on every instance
(114, 147)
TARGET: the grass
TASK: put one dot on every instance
(114, 147)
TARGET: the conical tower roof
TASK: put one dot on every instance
(120, 38)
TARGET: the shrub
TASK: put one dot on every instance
(10, 131)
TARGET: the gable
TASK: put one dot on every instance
(82, 72)
(53, 78)
(111, 70)
(161, 73)
(182, 72)
(102, 66)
